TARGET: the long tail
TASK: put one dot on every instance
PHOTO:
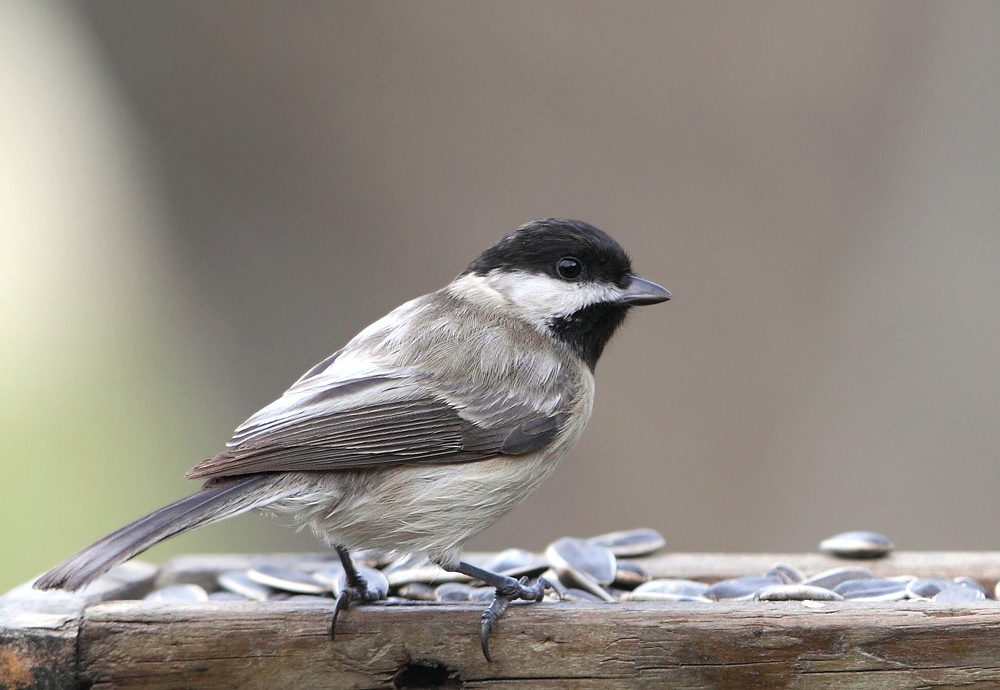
(208, 505)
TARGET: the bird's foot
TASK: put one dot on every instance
(508, 592)
(356, 591)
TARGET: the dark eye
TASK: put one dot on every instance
(569, 268)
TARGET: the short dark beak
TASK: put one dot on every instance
(641, 292)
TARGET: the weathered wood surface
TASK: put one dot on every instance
(38, 630)
(549, 645)
(55, 640)
(38, 640)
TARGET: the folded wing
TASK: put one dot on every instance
(377, 420)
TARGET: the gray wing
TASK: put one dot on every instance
(379, 420)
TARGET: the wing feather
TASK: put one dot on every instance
(373, 421)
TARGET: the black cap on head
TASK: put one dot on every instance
(575, 252)
(538, 247)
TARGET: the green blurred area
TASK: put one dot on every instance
(96, 426)
(100, 419)
(108, 391)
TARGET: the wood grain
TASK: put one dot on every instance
(38, 630)
(56, 640)
(557, 645)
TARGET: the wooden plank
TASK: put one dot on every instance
(38, 639)
(56, 640)
(38, 630)
(736, 645)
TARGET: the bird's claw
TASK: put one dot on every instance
(504, 596)
(358, 593)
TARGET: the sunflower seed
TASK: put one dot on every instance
(631, 543)
(453, 591)
(286, 578)
(372, 558)
(177, 594)
(417, 591)
(884, 589)
(238, 582)
(576, 595)
(788, 574)
(593, 560)
(575, 579)
(857, 545)
(377, 582)
(665, 596)
(509, 559)
(924, 588)
(515, 563)
(833, 577)
(738, 587)
(796, 592)
(483, 595)
(673, 587)
(330, 574)
(581, 570)
(969, 582)
(411, 561)
(335, 578)
(428, 574)
(630, 575)
(959, 593)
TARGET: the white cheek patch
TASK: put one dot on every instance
(539, 298)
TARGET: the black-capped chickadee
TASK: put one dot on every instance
(430, 424)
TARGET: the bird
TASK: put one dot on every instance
(427, 426)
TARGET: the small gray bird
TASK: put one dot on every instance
(430, 424)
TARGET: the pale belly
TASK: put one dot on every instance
(432, 508)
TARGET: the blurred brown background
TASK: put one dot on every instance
(198, 201)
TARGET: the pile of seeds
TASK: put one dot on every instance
(595, 569)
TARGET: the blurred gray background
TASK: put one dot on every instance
(198, 201)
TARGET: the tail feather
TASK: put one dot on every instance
(208, 505)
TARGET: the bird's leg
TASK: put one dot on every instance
(357, 589)
(508, 590)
